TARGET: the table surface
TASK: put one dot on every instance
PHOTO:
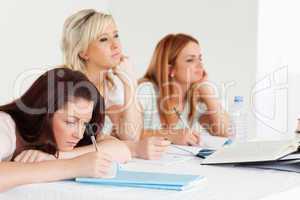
(221, 182)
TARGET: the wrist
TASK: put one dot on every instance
(211, 103)
(133, 147)
(72, 167)
(130, 86)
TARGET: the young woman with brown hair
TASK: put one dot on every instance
(47, 121)
(176, 86)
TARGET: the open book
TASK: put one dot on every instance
(250, 152)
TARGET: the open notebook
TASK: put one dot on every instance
(148, 180)
(249, 152)
(281, 165)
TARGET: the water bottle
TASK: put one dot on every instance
(238, 120)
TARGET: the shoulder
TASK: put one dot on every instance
(147, 94)
(147, 88)
(7, 136)
(6, 120)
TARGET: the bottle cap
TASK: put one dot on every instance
(238, 99)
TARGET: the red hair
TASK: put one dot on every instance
(165, 54)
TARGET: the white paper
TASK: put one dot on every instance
(166, 159)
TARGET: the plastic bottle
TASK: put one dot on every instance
(238, 120)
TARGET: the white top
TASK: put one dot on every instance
(112, 96)
(108, 126)
(7, 137)
(147, 94)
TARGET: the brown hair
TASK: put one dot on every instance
(165, 54)
(34, 110)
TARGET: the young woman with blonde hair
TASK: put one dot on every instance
(175, 86)
(91, 44)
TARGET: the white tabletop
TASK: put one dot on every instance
(225, 183)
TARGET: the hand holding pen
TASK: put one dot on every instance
(185, 136)
(109, 170)
(91, 133)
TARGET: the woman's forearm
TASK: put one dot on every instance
(132, 118)
(216, 118)
(13, 174)
(75, 152)
(115, 148)
(156, 133)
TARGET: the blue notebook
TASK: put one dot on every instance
(148, 180)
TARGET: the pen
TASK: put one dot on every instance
(188, 127)
(182, 149)
(91, 133)
(180, 118)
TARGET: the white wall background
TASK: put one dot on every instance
(226, 29)
(30, 38)
(278, 70)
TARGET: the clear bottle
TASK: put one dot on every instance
(238, 120)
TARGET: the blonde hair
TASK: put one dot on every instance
(79, 30)
(158, 72)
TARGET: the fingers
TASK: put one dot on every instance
(41, 158)
(155, 154)
(154, 148)
(19, 157)
(197, 136)
(26, 156)
(159, 149)
(33, 156)
(123, 58)
(104, 164)
(29, 156)
(102, 171)
(160, 145)
(187, 137)
(23, 157)
(205, 76)
(192, 140)
(123, 61)
(160, 141)
(105, 157)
